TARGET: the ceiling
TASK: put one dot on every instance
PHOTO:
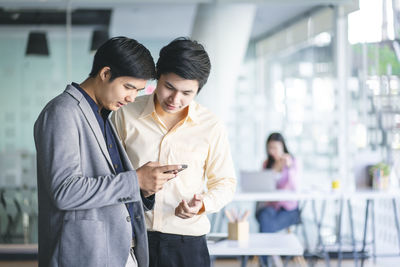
(149, 19)
(270, 15)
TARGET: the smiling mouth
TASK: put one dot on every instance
(120, 104)
(171, 106)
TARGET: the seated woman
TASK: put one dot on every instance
(275, 216)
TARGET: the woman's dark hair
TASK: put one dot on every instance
(185, 58)
(125, 57)
(274, 137)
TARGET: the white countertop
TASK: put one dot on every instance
(258, 244)
(283, 195)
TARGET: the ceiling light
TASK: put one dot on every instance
(37, 44)
(99, 37)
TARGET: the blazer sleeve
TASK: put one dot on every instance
(59, 146)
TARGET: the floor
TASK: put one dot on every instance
(393, 262)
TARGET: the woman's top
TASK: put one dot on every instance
(288, 181)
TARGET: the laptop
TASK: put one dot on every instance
(258, 181)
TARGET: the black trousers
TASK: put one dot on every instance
(169, 250)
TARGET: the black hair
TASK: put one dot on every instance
(125, 57)
(186, 58)
(274, 137)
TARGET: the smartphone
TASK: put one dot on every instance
(184, 166)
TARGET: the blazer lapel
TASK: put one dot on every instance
(91, 119)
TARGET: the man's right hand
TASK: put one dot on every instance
(152, 176)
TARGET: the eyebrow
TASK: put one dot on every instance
(133, 87)
(173, 87)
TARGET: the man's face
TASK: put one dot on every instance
(119, 92)
(174, 94)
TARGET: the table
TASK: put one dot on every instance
(18, 251)
(19, 248)
(259, 244)
(284, 195)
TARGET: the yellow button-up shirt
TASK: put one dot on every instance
(200, 141)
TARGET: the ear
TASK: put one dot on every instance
(105, 73)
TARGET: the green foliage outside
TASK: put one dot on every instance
(381, 52)
(380, 166)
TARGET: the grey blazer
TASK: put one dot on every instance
(83, 220)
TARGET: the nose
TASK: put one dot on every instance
(175, 97)
(131, 98)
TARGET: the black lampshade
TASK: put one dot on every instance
(37, 44)
(99, 37)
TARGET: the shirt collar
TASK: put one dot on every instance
(149, 109)
(93, 105)
(192, 114)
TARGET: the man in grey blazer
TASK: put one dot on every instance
(91, 200)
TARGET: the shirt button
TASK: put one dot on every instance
(115, 166)
(128, 219)
(110, 145)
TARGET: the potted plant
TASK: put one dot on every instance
(380, 176)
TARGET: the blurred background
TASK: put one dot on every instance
(325, 73)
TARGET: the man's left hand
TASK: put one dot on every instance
(186, 210)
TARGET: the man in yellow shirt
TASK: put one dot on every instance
(169, 127)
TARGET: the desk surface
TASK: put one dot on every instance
(282, 195)
(18, 248)
(258, 244)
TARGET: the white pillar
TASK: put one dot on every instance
(342, 74)
(224, 30)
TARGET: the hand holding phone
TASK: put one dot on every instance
(184, 166)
